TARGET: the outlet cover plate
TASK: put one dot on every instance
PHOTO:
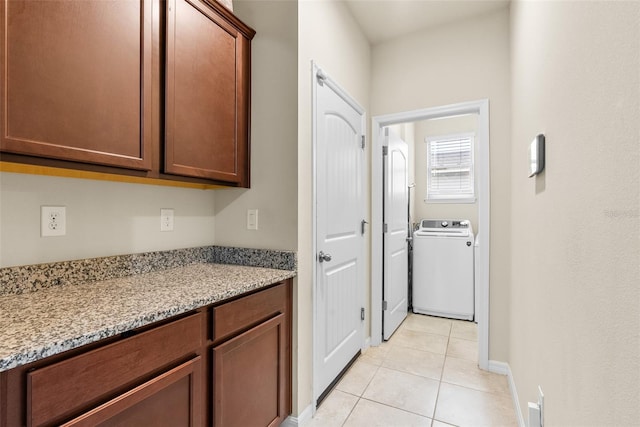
(53, 221)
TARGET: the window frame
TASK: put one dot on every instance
(467, 197)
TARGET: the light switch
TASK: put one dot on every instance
(252, 219)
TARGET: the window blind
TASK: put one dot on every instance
(450, 167)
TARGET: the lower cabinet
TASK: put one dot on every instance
(249, 377)
(251, 359)
(225, 365)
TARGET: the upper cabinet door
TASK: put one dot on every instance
(76, 80)
(207, 93)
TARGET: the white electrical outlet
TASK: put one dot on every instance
(252, 219)
(53, 221)
(166, 219)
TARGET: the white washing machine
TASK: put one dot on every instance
(443, 265)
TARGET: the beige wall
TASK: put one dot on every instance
(329, 36)
(464, 61)
(103, 218)
(575, 297)
(274, 147)
(441, 127)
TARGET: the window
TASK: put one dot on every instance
(450, 169)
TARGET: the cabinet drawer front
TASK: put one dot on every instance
(171, 399)
(63, 389)
(235, 316)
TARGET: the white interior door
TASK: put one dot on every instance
(339, 292)
(396, 228)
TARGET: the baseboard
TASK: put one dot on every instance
(496, 367)
(367, 344)
(503, 368)
(300, 420)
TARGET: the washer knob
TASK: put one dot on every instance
(444, 224)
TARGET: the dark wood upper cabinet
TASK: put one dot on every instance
(76, 81)
(207, 93)
(147, 88)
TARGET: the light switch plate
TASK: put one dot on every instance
(166, 219)
(252, 219)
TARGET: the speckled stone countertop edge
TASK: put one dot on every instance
(34, 338)
(35, 277)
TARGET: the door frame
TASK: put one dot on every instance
(315, 69)
(480, 107)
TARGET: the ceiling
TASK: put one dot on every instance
(382, 20)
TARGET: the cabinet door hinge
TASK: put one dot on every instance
(385, 151)
(362, 313)
(384, 305)
(362, 141)
(384, 228)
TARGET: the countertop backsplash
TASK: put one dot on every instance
(30, 278)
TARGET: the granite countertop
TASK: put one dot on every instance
(38, 324)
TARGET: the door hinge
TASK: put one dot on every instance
(362, 141)
(362, 225)
(384, 228)
(362, 313)
(384, 305)
(385, 151)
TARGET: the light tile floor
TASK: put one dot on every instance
(425, 375)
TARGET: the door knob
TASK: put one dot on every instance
(322, 257)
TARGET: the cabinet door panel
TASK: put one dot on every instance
(171, 399)
(76, 80)
(250, 377)
(207, 94)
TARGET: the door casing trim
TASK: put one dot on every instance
(480, 107)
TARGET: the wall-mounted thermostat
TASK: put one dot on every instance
(536, 155)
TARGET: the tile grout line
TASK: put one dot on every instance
(435, 406)
(351, 411)
(365, 388)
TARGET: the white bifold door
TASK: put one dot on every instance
(339, 287)
(396, 229)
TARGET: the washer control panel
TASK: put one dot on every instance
(438, 223)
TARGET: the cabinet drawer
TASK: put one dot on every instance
(171, 399)
(233, 317)
(63, 389)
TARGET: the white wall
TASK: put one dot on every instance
(329, 36)
(274, 150)
(442, 127)
(463, 61)
(575, 294)
(103, 218)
